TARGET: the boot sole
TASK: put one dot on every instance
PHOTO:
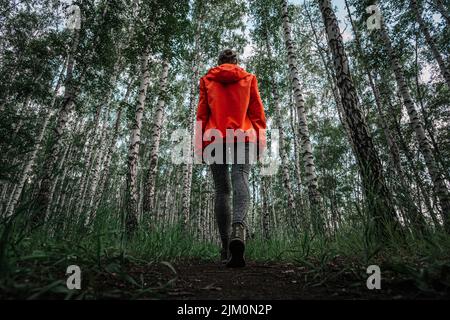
(237, 248)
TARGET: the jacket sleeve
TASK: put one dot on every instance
(203, 113)
(256, 115)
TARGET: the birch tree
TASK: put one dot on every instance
(443, 10)
(279, 121)
(187, 173)
(306, 146)
(377, 195)
(135, 140)
(393, 149)
(445, 71)
(149, 193)
(440, 188)
(44, 196)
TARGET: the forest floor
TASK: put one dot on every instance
(196, 279)
(168, 265)
(200, 280)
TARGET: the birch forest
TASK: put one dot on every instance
(98, 99)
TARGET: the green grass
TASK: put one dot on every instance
(34, 264)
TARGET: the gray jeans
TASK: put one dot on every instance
(240, 168)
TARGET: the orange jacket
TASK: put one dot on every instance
(229, 99)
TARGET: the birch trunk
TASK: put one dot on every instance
(308, 158)
(90, 144)
(109, 153)
(265, 209)
(28, 168)
(43, 197)
(101, 157)
(66, 165)
(87, 203)
(187, 173)
(377, 195)
(298, 174)
(279, 122)
(430, 41)
(440, 188)
(87, 200)
(331, 76)
(394, 154)
(133, 150)
(412, 169)
(149, 193)
(95, 139)
(442, 10)
(61, 164)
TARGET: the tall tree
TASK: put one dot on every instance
(44, 193)
(279, 120)
(441, 190)
(400, 183)
(307, 150)
(377, 195)
(443, 10)
(149, 193)
(196, 54)
(27, 170)
(445, 71)
(135, 140)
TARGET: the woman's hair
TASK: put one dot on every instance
(228, 56)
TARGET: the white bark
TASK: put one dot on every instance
(28, 168)
(440, 188)
(284, 158)
(149, 197)
(133, 150)
(431, 43)
(187, 173)
(443, 10)
(307, 150)
(375, 190)
(43, 198)
(394, 153)
(108, 156)
(265, 208)
(95, 173)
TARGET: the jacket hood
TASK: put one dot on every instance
(226, 73)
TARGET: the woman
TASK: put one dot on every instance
(230, 119)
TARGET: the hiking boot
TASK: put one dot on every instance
(237, 246)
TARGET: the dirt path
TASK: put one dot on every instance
(200, 280)
(192, 280)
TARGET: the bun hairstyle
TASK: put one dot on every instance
(228, 56)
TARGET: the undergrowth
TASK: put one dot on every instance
(34, 264)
